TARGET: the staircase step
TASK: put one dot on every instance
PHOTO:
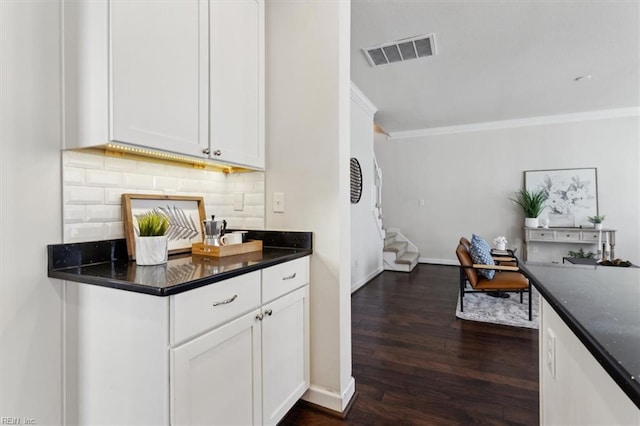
(408, 258)
(389, 238)
(397, 246)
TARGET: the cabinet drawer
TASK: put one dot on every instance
(568, 235)
(588, 236)
(281, 279)
(545, 235)
(197, 310)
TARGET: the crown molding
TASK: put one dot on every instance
(521, 122)
(362, 101)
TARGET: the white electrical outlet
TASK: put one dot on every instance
(278, 202)
(421, 203)
(238, 201)
(550, 353)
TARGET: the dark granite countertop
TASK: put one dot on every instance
(601, 305)
(105, 263)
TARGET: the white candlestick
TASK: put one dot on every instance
(599, 240)
(607, 235)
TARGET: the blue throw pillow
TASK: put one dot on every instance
(481, 254)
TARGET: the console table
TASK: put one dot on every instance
(567, 235)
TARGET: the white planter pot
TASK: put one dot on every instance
(597, 225)
(501, 246)
(531, 222)
(151, 250)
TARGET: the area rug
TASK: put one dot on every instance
(507, 311)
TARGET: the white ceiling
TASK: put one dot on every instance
(498, 60)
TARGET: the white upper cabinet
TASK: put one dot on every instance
(159, 74)
(237, 82)
(185, 76)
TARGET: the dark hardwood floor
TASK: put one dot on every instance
(415, 363)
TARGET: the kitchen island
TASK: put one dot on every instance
(198, 340)
(589, 343)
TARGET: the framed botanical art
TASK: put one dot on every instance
(572, 194)
(185, 216)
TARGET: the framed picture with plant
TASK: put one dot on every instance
(571, 194)
(183, 224)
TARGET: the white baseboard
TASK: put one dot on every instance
(439, 261)
(329, 399)
(366, 279)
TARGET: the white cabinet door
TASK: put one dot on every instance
(285, 353)
(159, 74)
(237, 82)
(215, 378)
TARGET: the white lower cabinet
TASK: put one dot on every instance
(222, 354)
(248, 371)
(285, 354)
(215, 378)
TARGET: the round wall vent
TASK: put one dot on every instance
(356, 181)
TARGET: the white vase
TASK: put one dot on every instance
(151, 250)
(531, 222)
(597, 225)
(501, 246)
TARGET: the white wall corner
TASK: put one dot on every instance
(362, 101)
(330, 399)
(356, 285)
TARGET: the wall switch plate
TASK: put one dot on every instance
(278, 202)
(421, 203)
(238, 201)
(550, 352)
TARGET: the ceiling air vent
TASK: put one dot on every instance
(401, 50)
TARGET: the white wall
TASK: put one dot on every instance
(30, 212)
(466, 180)
(94, 184)
(366, 234)
(307, 80)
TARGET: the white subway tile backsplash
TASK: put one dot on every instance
(253, 223)
(216, 199)
(165, 183)
(114, 230)
(209, 186)
(190, 185)
(177, 171)
(152, 168)
(103, 178)
(114, 195)
(82, 160)
(131, 180)
(254, 199)
(120, 164)
(94, 184)
(83, 195)
(73, 176)
(75, 214)
(104, 213)
(82, 232)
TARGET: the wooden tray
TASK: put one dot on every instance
(203, 249)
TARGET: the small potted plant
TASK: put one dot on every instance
(597, 221)
(532, 203)
(500, 243)
(151, 241)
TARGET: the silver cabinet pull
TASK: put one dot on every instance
(290, 277)
(206, 151)
(259, 317)
(224, 302)
(268, 312)
(217, 153)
